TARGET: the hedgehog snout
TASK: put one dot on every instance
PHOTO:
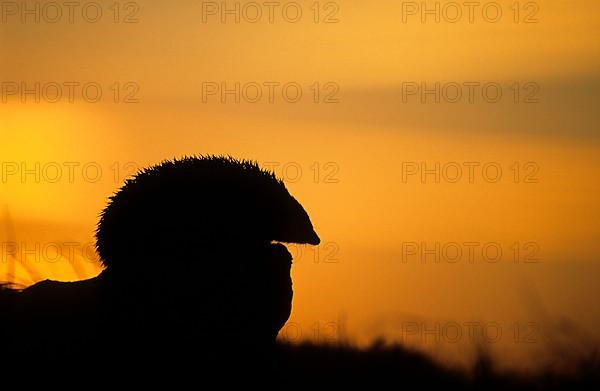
(314, 238)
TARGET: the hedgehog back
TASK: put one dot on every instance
(185, 205)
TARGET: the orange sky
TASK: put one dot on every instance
(351, 153)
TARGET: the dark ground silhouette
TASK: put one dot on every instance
(383, 366)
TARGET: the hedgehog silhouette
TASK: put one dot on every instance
(193, 262)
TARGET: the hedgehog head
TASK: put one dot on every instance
(185, 204)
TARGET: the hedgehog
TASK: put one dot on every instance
(193, 261)
(207, 200)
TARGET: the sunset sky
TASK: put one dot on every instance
(347, 148)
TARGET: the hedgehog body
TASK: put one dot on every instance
(207, 201)
(190, 264)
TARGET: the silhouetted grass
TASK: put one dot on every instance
(396, 367)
